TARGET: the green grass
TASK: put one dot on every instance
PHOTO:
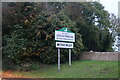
(79, 69)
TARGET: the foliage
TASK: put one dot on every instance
(38, 39)
(8, 64)
(115, 29)
(93, 23)
(32, 31)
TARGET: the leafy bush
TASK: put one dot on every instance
(38, 39)
(8, 64)
(34, 67)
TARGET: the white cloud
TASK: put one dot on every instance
(111, 6)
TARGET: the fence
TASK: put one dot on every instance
(102, 56)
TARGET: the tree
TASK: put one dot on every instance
(41, 42)
(31, 35)
(93, 23)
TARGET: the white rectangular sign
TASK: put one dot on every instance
(64, 36)
(64, 45)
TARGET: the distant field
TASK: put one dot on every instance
(79, 69)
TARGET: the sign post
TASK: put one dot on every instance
(64, 35)
(69, 57)
(58, 59)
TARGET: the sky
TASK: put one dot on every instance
(111, 6)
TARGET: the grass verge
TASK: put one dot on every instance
(79, 69)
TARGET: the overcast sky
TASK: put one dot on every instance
(111, 6)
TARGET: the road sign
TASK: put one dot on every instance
(64, 35)
(64, 45)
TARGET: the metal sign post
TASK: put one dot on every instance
(69, 57)
(58, 59)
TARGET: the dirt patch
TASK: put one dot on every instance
(9, 74)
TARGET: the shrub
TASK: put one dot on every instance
(38, 39)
